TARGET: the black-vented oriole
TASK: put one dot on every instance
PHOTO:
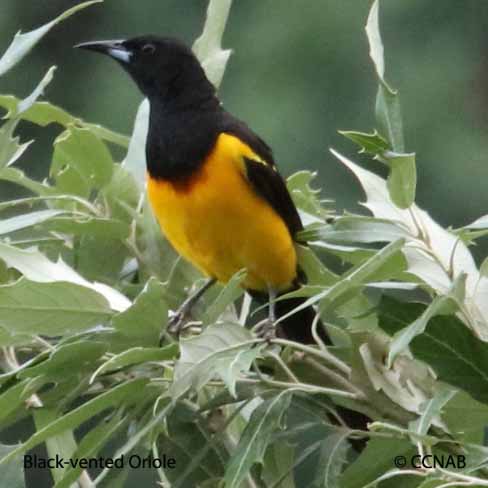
(212, 182)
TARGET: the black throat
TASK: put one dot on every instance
(183, 128)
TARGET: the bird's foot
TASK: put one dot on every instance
(177, 321)
(266, 330)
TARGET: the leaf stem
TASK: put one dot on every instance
(325, 354)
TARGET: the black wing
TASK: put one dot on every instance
(263, 175)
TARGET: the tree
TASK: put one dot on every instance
(87, 280)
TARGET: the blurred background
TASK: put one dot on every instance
(300, 71)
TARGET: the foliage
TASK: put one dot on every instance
(86, 283)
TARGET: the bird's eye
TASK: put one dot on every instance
(148, 49)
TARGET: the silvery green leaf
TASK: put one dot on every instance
(402, 178)
(23, 43)
(27, 103)
(27, 220)
(35, 266)
(10, 149)
(376, 50)
(442, 304)
(135, 160)
(434, 254)
(264, 421)
(222, 351)
(208, 46)
(431, 411)
(388, 114)
(50, 309)
(13, 471)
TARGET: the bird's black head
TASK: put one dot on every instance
(165, 69)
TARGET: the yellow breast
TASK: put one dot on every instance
(218, 223)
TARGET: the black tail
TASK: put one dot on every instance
(298, 327)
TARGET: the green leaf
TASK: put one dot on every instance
(199, 458)
(278, 465)
(352, 280)
(125, 393)
(89, 447)
(373, 144)
(374, 461)
(447, 345)
(389, 117)
(45, 113)
(137, 355)
(122, 195)
(207, 47)
(17, 176)
(466, 418)
(135, 160)
(444, 304)
(50, 309)
(102, 259)
(27, 220)
(105, 134)
(304, 196)
(401, 383)
(14, 398)
(72, 358)
(431, 410)
(37, 267)
(376, 51)
(80, 158)
(40, 113)
(10, 149)
(142, 323)
(457, 357)
(13, 471)
(228, 295)
(402, 179)
(317, 273)
(388, 113)
(333, 453)
(31, 201)
(23, 43)
(223, 350)
(351, 229)
(265, 420)
(85, 225)
(434, 254)
(62, 445)
(27, 103)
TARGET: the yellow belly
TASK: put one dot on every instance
(220, 225)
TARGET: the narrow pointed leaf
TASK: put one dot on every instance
(23, 43)
(127, 392)
(208, 46)
(265, 420)
(37, 267)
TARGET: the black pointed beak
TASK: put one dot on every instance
(114, 49)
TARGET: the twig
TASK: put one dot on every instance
(315, 334)
(335, 377)
(325, 355)
(284, 367)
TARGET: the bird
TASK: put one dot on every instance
(214, 186)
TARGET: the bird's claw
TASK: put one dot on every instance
(266, 330)
(177, 322)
